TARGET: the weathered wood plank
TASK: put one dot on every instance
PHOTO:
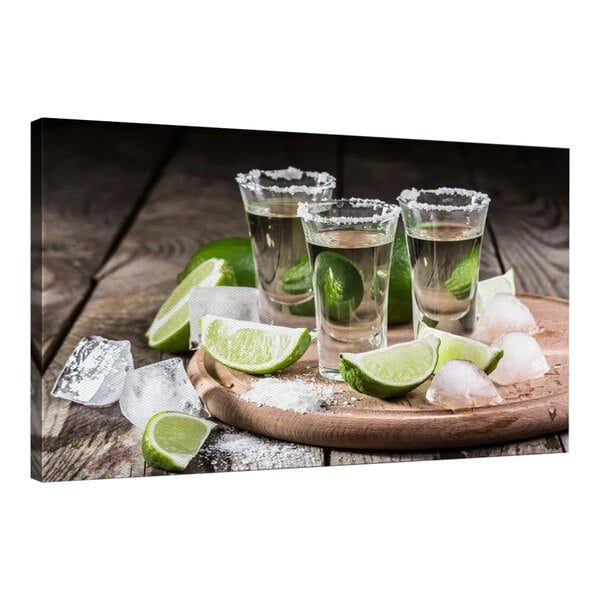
(542, 445)
(529, 213)
(383, 168)
(195, 201)
(36, 422)
(87, 181)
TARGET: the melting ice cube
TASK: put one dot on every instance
(523, 359)
(504, 313)
(462, 384)
(95, 372)
(222, 301)
(157, 387)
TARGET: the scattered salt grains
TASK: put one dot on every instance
(253, 451)
(523, 359)
(296, 395)
(461, 384)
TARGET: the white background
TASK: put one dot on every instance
(514, 73)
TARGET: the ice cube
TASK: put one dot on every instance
(504, 313)
(95, 372)
(222, 301)
(157, 387)
(461, 384)
(523, 359)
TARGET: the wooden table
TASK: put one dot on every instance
(118, 209)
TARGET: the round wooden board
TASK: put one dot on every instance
(354, 420)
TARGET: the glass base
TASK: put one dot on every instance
(464, 327)
(331, 374)
(286, 315)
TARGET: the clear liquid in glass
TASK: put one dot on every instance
(278, 244)
(445, 270)
(351, 283)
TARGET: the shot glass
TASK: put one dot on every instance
(271, 201)
(444, 228)
(350, 248)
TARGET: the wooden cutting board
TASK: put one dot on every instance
(354, 420)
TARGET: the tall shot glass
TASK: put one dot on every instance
(271, 201)
(350, 248)
(444, 228)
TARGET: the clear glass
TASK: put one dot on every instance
(350, 248)
(444, 228)
(271, 201)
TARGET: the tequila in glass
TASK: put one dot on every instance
(350, 249)
(278, 244)
(444, 232)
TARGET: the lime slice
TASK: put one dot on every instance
(488, 288)
(462, 348)
(171, 439)
(340, 285)
(392, 371)
(298, 278)
(252, 347)
(170, 330)
(463, 277)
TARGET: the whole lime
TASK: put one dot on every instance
(237, 251)
(400, 291)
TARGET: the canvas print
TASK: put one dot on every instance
(212, 300)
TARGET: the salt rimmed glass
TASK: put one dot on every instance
(444, 229)
(271, 201)
(350, 248)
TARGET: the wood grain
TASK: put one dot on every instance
(195, 201)
(539, 445)
(383, 168)
(354, 420)
(36, 422)
(90, 178)
(529, 212)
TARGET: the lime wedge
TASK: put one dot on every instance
(462, 348)
(392, 371)
(340, 284)
(463, 277)
(488, 288)
(252, 347)
(170, 330)
(298, 278)
(171, 439)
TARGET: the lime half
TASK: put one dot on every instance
(170, 330)
(252, 347)
(171, 439)
(340, 285)
(488, 288)
(392, 371)
(462, 348)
